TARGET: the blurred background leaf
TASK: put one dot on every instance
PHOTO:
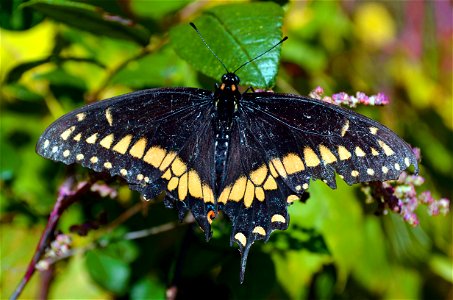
(59, 55)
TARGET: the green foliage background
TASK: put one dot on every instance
(58, 55)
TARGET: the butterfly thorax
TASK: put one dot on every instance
(226, 99)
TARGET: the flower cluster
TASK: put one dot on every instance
(343, 98)
(400, 196)
(59, 247)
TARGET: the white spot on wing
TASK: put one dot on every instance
(81, 116)
(407, 161)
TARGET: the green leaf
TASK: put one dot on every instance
(92, 19)
(16, 73)
(148, 288)
(13, 18)
(374, 269)
(143, 9)
(62, 78)
(22, 92)
(109, 272)
(76, 274)
(236, 33)
(336, 215)
(442, 266)
(295, 270)
(156, 70)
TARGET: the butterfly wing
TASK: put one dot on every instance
(155, 139)
(281, 142)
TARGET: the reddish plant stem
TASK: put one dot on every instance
(66, 197)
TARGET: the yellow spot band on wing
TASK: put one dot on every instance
(279, 168)
(343, 153)
(108, 116)
(223, 198)
(270, 183)
(374, 152)
(311, 159)
(92, 139)
(208, 195)
(167, 160)
(326, 155)
(345, 128)
(272, 170)
(182, 187)
(387, 150)
(107, 141)
(293, 163)
(178, 167)
(123, 144)
(259, 175)
(359, 152)
(195, 188)
(167, 175)
(138, 148)
(78, 137)
(259, 193)
(259, 230)
(154, 156)
(292, 198)
(278, 218)
(240, 237)
(249, 194)
(173, 183)
(238, 189)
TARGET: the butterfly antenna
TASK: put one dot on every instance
(246, 63)
(207, 46)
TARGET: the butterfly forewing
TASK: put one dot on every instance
(155, 139)
(326, 138)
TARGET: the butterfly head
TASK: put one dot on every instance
(230, 82)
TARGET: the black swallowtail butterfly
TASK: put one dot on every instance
(249, 155)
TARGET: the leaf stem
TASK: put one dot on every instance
(66, 197)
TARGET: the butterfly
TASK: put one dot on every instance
(249, 155)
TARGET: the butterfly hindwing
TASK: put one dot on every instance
(156, 139)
